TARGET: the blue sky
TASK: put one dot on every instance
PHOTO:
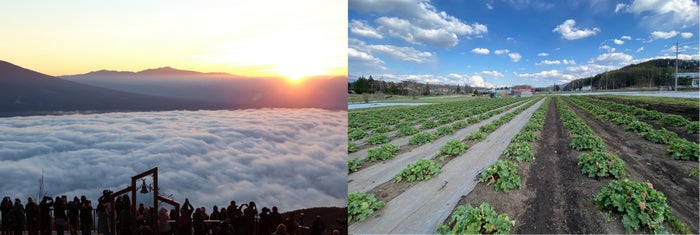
(511, 42)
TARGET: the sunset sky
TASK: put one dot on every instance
(253, 38)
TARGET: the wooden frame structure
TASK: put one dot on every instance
(132, 188)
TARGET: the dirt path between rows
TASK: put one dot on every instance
(376, 174)
(645, 160)
(555, 197)
(422, 207)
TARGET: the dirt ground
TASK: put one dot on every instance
(692, 113)
(685, 111)
(555, 197)
(648, 161)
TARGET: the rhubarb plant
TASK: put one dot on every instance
(520, 152)
(384, 152)
(476, 220)
(503, 175)
(598, 164)
(423, 169)
(641, 206)
(361, 205)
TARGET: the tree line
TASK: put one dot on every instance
(369, 85)
(653, 73)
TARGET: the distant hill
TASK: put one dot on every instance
(233, 90)
(654, 73)
(26, 92)
(164, 72)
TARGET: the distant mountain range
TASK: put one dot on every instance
(26, 92)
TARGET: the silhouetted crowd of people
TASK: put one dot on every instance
(77, 215)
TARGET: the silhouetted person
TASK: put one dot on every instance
(266, 226)
(198, 222)
(275, 217)
(233, 213)
(45, 215)
(102, 219)
(291, 224)
(317, 226)
(247, 221)
(73, 214)
(5, 208)
(215, 215)
(185, 219)
(141, 210)
(163, 224)
(281, 230)
(126, 226)
(17, 217)
(31, 211)
(86, 217)
(59, 214)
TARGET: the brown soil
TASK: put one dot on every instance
(692, 113)
(664, 108)
(681, 131)
(646, 161)
(555, 197)
(390, 190)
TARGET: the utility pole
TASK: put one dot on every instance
(675, 86)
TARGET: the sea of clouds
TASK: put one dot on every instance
(289, 158)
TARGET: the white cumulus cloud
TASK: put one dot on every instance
(361, 28)
(396, 52)
(687, 35)
(570, 32)
(493, 73)
(480, 51)
(618, 41)
(515, 57)
(542, 54)
(663, 35)
(418, 22)
(291, 158)
(660, 14)
(501, 52)
(615, 57)
(473, 81)
(626, 37)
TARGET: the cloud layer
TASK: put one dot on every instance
(292, 158)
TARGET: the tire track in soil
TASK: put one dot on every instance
(645, 160)
(563, 201)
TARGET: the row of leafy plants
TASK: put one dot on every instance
(640, 206)
(383, 120)
(503, 175)
(598, 163)
(388, 151)
(427, 136)
(425, 169)
(668, 120)
(678, 148)
(362, 205)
